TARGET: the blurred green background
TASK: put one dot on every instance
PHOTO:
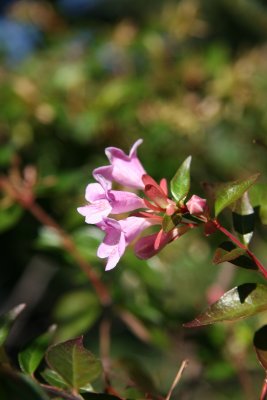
(76, 76)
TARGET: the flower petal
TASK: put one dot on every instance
(94, 192)
(145, 247)
(196, 205)
(133, 226)
(124, 201)
(113, 245)
(94, 213)
(124, 169)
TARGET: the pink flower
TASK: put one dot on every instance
(196, 205)
(124, 169)
(155, 209)
(118, 236)
(104, 201)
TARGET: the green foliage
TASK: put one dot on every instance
(227, 251)
(17, 386)
(244, 219)
(258, 195)
(240, 302)
(180, 183)
(76, 365)
(167, 79)
(10, 216)
(228, 193)
(7, 320)
(30, 358)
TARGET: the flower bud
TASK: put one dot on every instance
(196, 205)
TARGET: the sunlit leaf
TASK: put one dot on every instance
(7, 320)
(228, 193)
(244, 218)
(75, 364)
(240, 302)
(227, 251)
(30, 358)
(180, 183)
(260, 343)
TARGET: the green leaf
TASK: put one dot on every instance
(54, 379)
(10, 216)
(227, 251)
(228, 193)
(7, 320)
(180, 183)
(258, 198)
(30, 358)
(260, 343)
(244, 219)
(15, 386)
(240, 302)
(75, 364)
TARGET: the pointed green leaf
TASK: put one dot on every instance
(244, 219)
(240, 302)
(7, 320)
(75, 364)
(227, 251)
(30, 358)
(15, 386)
(180, 183)
(260, 343)
(228, 193)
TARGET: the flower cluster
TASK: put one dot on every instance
(156, 208)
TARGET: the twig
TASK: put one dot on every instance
(104, 335)
(134, 324)
(27, 202)
(58, 392)
(177, 378)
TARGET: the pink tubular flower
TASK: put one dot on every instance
(124, 169)
(196, 205)
(104, 201)
(118, 235)
(150, 245)
(157, 208)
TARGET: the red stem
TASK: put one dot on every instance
(242, 246)
(264, 390)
